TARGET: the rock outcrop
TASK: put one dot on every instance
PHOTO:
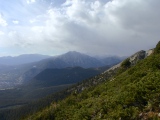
(133, 59)
(137, 56)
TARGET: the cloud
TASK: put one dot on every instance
(2, 21)
(96, 27)
(113, 26)
(31, 1)
(15, 21)
(1, 33)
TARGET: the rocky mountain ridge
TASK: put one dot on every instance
(91, 84)
(132, 93)
(109, 73)
(133, 59)
(11, 76)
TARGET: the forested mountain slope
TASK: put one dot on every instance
(14, 74)
(134, 93)
(45, 83)
(26, 98)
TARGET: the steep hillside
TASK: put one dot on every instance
(45, 83)
(54, 77)
(16, 103)
(132, 94)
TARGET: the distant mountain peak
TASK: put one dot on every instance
(74, 53)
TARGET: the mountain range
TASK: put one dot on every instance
(113, 94)
(25, 83)
(22, 59)
(127, 91)
(22, 84)
(13, 75)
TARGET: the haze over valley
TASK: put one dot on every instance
(79, 59)
(13, 74)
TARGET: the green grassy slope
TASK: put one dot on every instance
(42, 90)
(132, 94)
(45, 83)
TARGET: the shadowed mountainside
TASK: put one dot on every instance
(132, 93)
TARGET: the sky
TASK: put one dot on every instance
(94, 27)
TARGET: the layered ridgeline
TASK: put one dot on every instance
(42, 78)
(133, 93)
(14, 72)
(22, 59)
(45, 83)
